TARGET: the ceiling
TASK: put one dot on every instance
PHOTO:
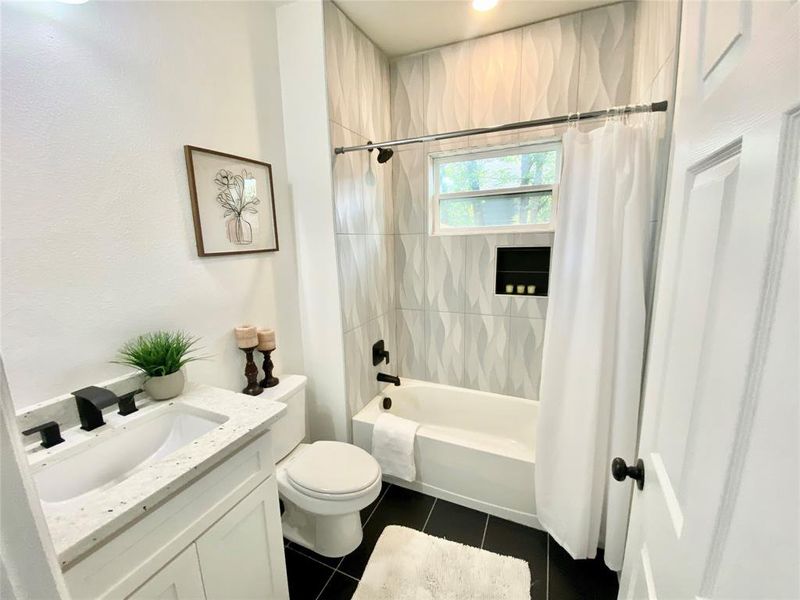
(401, 27)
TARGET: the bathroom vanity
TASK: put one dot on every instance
(176, 500)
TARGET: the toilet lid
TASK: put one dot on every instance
(333, 468)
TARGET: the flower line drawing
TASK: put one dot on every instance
(237, 196)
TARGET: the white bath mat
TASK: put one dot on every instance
(410, 565)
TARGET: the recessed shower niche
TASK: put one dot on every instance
(522, 271)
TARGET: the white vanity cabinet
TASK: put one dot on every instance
(179, 579)
(241, 556)
(218, 538)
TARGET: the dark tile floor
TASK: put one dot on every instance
(554, 574)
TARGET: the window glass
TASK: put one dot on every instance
(498, 172)
(532, 208)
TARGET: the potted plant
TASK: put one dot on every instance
(160, 355)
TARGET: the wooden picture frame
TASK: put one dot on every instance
(233, 203)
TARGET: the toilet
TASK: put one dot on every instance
(323, 485)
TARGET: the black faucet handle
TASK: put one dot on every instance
(127, 403)
(379, 353)
(50, 431)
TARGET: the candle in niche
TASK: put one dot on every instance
(531, 289)
(510, 288)
(520, 289)
(266, 339)
(246, 336)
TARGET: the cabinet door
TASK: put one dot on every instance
(241, 555)
(179, 580)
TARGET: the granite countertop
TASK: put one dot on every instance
(79, 524)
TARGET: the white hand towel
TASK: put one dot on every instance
(393, 445)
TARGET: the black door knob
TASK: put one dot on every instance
(620, 470)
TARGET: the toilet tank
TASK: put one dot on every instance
(290, 429)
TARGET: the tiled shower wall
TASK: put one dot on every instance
(451, 327)
(432, 298)
(358, 97)
(655, 57)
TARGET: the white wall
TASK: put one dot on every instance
(309, 156)
(97, 241)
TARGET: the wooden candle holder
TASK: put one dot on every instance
(251, 372)
(268, 381)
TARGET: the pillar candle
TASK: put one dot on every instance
(246, 336)
(266, 339)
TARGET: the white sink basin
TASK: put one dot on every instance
(112, 456)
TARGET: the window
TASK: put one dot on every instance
(498, 190)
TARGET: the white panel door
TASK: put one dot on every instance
(718, 515)
(241, 555)
(179, 580)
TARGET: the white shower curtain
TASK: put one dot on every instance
(594, 337)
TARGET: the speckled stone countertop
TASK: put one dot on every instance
(79, 524)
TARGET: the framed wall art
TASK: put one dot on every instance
(233, 203)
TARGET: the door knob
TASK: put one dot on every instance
(620, 470)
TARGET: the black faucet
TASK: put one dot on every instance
(92, 400)
(389, 378)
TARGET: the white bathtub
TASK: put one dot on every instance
(472, 448)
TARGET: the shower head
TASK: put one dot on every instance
(384, 154)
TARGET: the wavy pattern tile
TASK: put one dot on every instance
(382, 328)
(411, 344)
(480, 275)
(357, 360)
(377, 195)
(486, 344)
(379, 275)
(352, 279)
(384, 111)
(549, 71)
(606, 63)
(445, 347)
(410, 271)
(408, 173)
(447, 80)
(340, 64)
(348, 184)
(406, 95)
(524, 357)
(445, 273)
(495, 79)
(365, 90)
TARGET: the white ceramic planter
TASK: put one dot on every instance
(165, 387)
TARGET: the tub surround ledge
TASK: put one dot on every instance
(80, 525)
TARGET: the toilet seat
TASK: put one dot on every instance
(333, 471)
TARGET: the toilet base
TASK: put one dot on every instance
(328, 535)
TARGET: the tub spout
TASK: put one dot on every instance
(383, 377)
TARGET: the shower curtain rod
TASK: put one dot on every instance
(619, 110)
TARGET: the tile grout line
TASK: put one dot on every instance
(333, 572)
(485, 527)
(319, 562)
(547, 571)
(430, 512)
(383, 495)
(347, 575)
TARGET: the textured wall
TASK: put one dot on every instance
(358, 106)
(655, 57)
(97, 237)
(451, 327)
